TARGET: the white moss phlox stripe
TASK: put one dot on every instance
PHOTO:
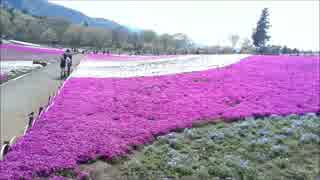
(173, 65)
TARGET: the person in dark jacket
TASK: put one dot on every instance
(68, 59)
(67, 54)
(69, 64)
(62, 67)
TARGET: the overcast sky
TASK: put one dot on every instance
(294, 23)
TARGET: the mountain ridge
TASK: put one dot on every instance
(48, 9)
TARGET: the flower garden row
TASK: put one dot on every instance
(3, 77)
(113, 57)
(17, 53)
(12, 52)
(105, 117)
(31, 49)
(280, 147)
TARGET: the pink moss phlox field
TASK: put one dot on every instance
(3, 77)
(113, 57)
(105, 117)
(31, 49)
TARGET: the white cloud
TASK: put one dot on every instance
(294, 23)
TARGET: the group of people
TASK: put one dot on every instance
(65, 64)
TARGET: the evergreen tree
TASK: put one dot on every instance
(260, 35)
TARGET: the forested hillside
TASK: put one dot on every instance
(46, 9)
(23, 26)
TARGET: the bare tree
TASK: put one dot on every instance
(49, 36)
(234, 40)
(73, 35)
(165, 41)
(5, 23)
(246, 46)
(59, 25)
(148, 37)
(96, 37)
(35, 28)
(20, 25)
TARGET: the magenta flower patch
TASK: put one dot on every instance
(3, 77)
(31, 49)
(105, 117)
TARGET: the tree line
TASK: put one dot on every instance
(260, 37)
(258, 43)
(22, 26)
(58, 31)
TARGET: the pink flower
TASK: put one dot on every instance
(107, 117)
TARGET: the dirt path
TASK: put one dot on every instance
(26, 94)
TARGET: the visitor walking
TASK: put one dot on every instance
(62, 67)
(69, 64)
(68, 60)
